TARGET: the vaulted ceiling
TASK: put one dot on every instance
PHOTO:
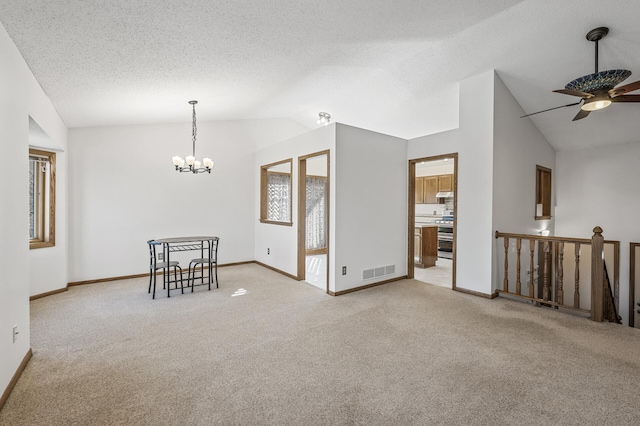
(387, 66)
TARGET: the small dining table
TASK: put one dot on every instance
(174, 244)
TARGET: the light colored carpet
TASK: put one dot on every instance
(267, 350)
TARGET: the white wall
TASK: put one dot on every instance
(282, 241)
(21, 97)
(518, 146)
(473, 142)
(599, 187)
(125, 191)
(370, 205)
(317, 166)
(364, 231)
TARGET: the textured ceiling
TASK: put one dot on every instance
(391, 67)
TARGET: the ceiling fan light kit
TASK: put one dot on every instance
(595, 104)
(598, 90)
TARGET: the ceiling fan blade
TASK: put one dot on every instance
(580, 115)
(584, 95)
(545, 110)
(626, 98)
(617, 91)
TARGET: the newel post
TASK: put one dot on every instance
(597, 275)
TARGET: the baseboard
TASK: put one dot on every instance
(126, 277)
(286, 274)
(477, 293)
(14, 379)
(351, 290)
(104, 280)
(48, 293)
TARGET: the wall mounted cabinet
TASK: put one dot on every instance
(428, 186)
(445, 183)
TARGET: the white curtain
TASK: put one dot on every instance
(316, 213)
(279, 197)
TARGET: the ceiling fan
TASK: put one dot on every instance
(598, 90)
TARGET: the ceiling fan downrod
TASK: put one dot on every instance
(596, 35)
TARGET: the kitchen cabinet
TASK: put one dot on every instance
(419, 190)
(425, 246)
(445, 183)
(427, 187)
(430, 189)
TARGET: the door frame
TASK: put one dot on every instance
(302, 210)
(411, 208)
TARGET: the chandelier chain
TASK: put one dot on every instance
(194, 129)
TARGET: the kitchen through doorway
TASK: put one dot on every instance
(432, 219)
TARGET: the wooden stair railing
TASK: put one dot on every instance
(610, 311)
(550, 279)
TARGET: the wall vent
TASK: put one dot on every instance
(367, 274)
(379, 271)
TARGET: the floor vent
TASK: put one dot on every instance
(380, 271)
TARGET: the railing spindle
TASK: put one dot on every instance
(532, 250)
(560, 273)
(597, 275)
(545, 288)
(506, 264)
(576, 294)
(518, 245)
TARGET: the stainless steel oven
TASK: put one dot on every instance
(445, 239)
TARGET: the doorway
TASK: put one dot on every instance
(313, 219)
(432, 216)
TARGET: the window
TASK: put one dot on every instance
(42, 198)
(543, 193)
(275, 193)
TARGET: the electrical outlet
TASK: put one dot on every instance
(15, 333)
(344, 270)
(160, 257)
(268, 251)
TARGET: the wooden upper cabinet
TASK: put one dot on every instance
(419, 190)
(430, 189)
(428, 186)
(445, 183)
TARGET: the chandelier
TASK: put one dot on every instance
(193, 165)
